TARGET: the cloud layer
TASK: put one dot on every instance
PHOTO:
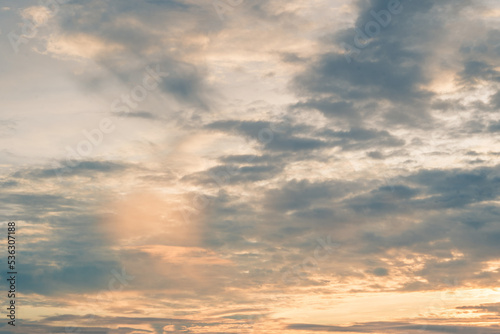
(253, 166)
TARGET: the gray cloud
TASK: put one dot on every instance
(137, 114)
(73, 168)
(395, 327)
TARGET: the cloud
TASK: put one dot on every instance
(117, 34)
(478, 70)
(302, 138)
(489, 308)
(73, 168)
(221, 176)
(297, 195)
(263, 144)
(380, 272)
(138, 114)
(395, 327)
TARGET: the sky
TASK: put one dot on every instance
(250, 166)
